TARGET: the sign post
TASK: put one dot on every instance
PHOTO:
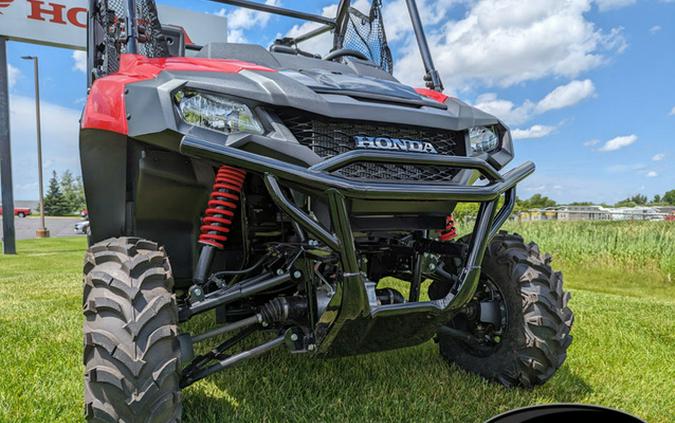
(8, 234)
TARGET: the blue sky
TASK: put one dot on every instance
(586, 86)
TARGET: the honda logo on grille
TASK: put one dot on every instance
(386, 143)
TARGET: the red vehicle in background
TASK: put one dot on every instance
(19, 211)
(84, 213)
(670, 217)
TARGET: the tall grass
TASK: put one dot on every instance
(629, 244)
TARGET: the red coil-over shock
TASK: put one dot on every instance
(450, 231)
(221, 206)
(218, 216)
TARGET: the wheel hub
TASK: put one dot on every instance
(483, 321)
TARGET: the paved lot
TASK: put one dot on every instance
(58, 226)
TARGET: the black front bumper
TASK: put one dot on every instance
(351, 325)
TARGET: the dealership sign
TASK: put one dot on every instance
(63, 23)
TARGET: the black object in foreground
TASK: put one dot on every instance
(564, 413)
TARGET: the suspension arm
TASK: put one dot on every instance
(229, 295)
(191, 378)
(243, 323)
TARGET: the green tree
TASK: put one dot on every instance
(79, 191)
(669, 197)
(639, 199)
(55, 201)
(537, 201)
(465, 211)
(657, 199)
(73, 191)
(625, 203)
(67, 188)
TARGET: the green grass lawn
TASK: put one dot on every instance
(623, 354)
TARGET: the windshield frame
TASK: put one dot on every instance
(432, 78)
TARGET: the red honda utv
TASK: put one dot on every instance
(275, 189)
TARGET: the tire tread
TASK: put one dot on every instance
(547, 318)
(131, 352)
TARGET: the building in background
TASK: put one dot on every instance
(577, 213)
(583, 213)
(635, 213)
(667, 210)
(549, 213)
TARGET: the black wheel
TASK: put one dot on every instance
(22, 215)
(516, 330)
(131, 351)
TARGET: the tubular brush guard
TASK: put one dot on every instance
(350, 324)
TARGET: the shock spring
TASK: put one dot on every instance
(223, 201)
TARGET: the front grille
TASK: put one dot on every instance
(397, 172)
(328, 138)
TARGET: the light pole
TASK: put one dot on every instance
(42, 232)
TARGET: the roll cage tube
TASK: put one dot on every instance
(432, 77)
(132, 30)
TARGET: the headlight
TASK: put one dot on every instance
(216, 113)
(483, 139)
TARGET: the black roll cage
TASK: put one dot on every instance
(432, 78)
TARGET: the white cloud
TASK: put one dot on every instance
(505, 109)
(80, 61)
(566, 95)
(535, 131)
(672, 112)
(658, 157)
(397, 20)
(591, 143)
(13, 74)
(504, 42)
(561, 97)
(60, 129)
(605, 5)
(655, 29)
(618, 143)
(652, 174)
(242, 19)
(236, 36)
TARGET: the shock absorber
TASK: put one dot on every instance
(450, 231)
(218, 216)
